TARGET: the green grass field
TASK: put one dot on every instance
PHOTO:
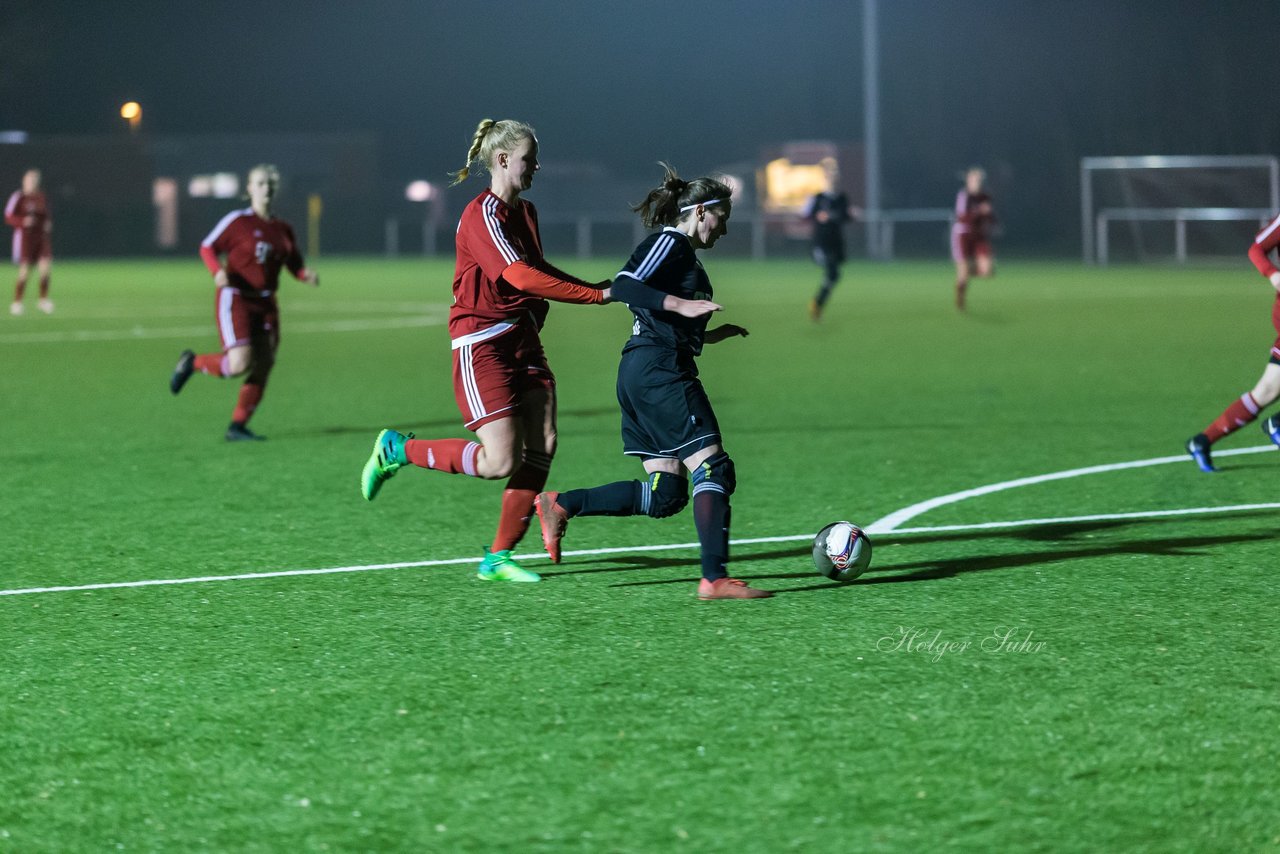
(1131, 705)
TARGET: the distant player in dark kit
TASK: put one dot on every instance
(27, 211)
(1247, 407)
(828, 210)
(667, 419)
(971, 233)
(255, 246)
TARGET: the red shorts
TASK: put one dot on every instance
(966, 247)
(492, 377)
(243, 320)
(30, 246)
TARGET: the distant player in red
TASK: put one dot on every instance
(502, 383)
(245, 252)
(1246, 408)
(27, 211)
(971, 233)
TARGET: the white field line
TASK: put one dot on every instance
(885, 525)
(246, 576)
(893, 520)
(141, 333)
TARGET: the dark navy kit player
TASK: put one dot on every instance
(828, 210)
(667, 419)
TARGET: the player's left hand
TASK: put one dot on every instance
(311, 277)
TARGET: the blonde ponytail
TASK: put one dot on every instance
(490, 138)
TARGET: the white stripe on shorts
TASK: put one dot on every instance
(226, 327)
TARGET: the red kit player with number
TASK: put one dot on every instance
(28, 212)
(1246, 408)
(255, 245)
(971, 232)
(503, 386)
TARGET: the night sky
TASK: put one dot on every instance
(1025, 87)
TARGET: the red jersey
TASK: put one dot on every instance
(971, 220)
(492, 236)
(1263, 245)
(255, 248)
(28, 212)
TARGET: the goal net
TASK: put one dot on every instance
(1174, 209)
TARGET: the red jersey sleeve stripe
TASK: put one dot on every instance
(222, 226)
(1268, 232)
(491, 222)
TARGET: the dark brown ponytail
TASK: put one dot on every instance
(662, 205)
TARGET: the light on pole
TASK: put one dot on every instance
(131, 112)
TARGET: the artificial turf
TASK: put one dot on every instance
(1073, 685)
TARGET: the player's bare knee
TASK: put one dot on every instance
(495, 465)
(1267, 391)
(666, 494)
(237, 361)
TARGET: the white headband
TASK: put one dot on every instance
(705, 204)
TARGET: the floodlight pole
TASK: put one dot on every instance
(871, 127)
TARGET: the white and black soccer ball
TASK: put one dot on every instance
(841, 551)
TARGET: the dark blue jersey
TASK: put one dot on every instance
(667, 263)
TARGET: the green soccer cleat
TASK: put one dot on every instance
(498, 566)
(387, 457)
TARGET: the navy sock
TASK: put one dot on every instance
(711, 514)
(613, 499)
(824, 292)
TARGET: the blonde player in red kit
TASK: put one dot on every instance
(504, 388)
(255, 245)
(1246, 408)
(27, 211)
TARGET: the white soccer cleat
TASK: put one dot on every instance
(16, 309)
(46, 305)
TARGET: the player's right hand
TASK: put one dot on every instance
(696, 307)
(220, 278)
(1275, 280)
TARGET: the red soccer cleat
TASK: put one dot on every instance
(554, 521)
(729, 588)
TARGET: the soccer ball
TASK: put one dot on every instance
(841, 551)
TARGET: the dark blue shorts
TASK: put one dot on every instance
(665, 411)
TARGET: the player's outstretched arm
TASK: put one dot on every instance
(636, 293)
(531, 280)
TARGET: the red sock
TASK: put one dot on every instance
(1235, 416)
(44, 287)
(250, 395)
(517, 499)
(213, 364)
(455, 456)
(19, 289)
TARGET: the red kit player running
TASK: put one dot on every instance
(971, 232)
(28, 212)
(1247, 407)
(255, 245)
(502, 383)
